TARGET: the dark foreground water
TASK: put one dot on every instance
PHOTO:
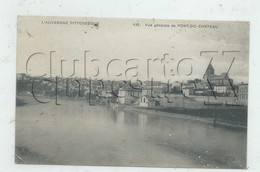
(75, 133)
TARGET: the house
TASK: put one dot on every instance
(186, 91)
(128, 96)
(243, 91)
(148, 101)
(121, 96)
(105, 94)
(155, 92)
(220, 89)
(21, 76)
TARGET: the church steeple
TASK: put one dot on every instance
(210, 71)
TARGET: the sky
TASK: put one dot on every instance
(124, 48)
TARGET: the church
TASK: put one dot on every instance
(220, 83)
(222, 79)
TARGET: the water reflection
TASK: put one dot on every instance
(200, 140)
(142, 120)
(122, 118)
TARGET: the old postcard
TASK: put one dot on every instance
(132, 92)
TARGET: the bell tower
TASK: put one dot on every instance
(210, 71)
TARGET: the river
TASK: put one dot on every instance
(75, 133)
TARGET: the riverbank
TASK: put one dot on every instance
(193, 114)
(227, 117)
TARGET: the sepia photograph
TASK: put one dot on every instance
(132, 92)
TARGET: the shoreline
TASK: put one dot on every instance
(175, 112)
(226, 124)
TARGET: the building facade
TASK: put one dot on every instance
(243, 91)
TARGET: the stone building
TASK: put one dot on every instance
(243, 91)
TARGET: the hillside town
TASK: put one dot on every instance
(212, 87)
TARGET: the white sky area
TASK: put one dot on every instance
(119, 39)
